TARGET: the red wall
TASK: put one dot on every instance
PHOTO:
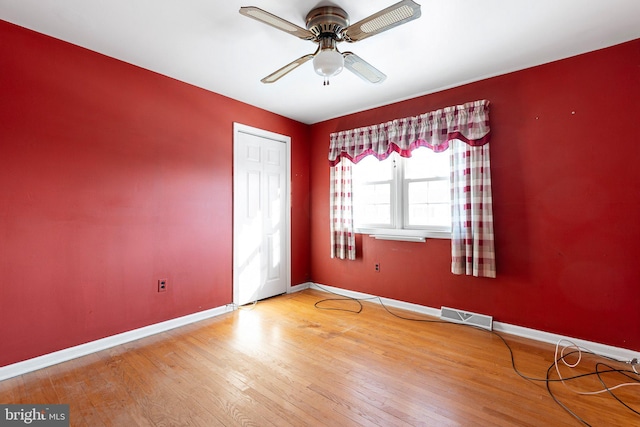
(565, 155)
(113, 177)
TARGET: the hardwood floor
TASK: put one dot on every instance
(286, 363)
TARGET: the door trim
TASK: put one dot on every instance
(241, 128)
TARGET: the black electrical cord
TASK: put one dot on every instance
(623, 372)
(553, 396)
(548, 380)
(597, 373)
(359, 310)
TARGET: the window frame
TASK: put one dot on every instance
(399, 211)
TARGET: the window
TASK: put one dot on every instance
(404, 198)
(462, 131)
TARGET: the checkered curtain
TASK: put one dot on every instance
(465, 128)
(472, 246)
(343, 238)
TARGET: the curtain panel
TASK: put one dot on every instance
(464, 129)
(472, 247)
(343, 238)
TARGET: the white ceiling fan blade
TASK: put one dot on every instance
(273, 77)
(276, 22)
(398, 14)
(362, 68)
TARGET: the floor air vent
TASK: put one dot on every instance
(467, 318)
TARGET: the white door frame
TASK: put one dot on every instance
(241, 128)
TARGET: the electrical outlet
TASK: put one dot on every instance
(162, 285)
(377, 267)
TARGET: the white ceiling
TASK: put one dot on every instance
(209, 44)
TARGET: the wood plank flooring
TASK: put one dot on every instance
(284, 362)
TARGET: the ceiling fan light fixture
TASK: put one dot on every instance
(328, 62)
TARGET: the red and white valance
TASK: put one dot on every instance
(468, 123)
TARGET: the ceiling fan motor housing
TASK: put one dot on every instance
(327, 21)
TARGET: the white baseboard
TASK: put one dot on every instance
(50, 359)
(375, 299)
(298, 288)
(621, 354)
(54, 358)
(66, 354)
(618, 353)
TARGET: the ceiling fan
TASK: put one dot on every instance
(329, 25)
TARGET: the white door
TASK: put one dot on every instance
(261, 230)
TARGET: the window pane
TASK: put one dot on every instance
(371, 169)
(372, 204)
(439, 191)
(428, 203)
(376, 193)
(424, 215)
(431, 191)
(418, 192)
(424, 163)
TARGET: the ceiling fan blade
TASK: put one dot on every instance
(273, 77)
(276, 22)
(362, 68)
(398, 14)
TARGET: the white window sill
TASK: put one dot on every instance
(404, 235)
